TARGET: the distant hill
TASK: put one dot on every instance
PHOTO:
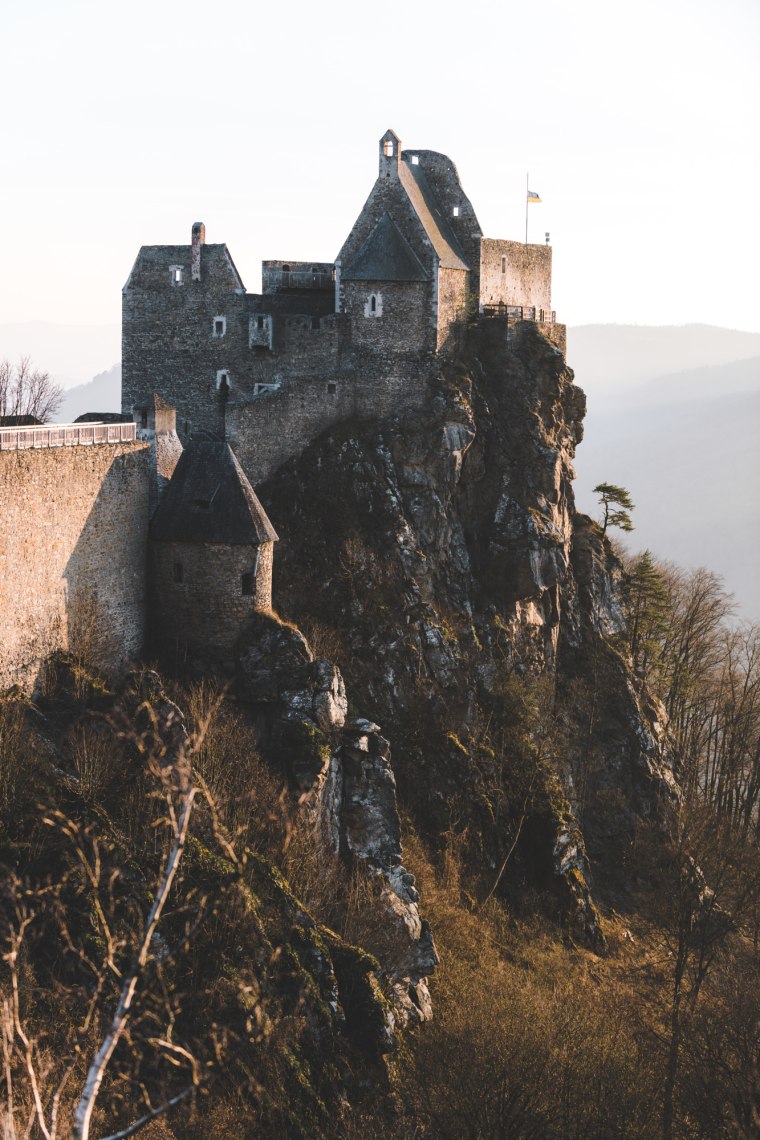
(101, 394)
(622, 356)
(72, 354)
(684, 443)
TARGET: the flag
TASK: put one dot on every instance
(533, 197)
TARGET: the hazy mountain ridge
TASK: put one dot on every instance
(101, 394)
(620, 356)
(72, 354)
(683, 442)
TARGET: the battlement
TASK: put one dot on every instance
(65, 435)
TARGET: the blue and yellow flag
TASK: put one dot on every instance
(533, 197)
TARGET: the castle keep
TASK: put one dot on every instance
(324, 341)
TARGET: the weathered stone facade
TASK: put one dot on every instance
(73, 555)
(211, 560)
(512, 273)
(323, 341)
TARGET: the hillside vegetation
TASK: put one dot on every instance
(207, 927)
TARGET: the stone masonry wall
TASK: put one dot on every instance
(266, 432)
(169, 344)
(402, 320)
(197, 621)
(73, 548)
(527, 279)
(452, 301)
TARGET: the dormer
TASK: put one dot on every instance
(390, 150)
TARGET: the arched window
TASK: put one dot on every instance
(373, 304)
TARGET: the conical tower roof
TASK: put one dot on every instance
(209, 500)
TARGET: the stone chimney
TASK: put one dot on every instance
(198, 239)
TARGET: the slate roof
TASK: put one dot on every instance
(432, 217)
(209, 500)
(385, 256)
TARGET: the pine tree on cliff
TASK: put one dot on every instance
(648, 605)
(617, 504)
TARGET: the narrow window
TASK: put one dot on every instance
(247, 582)
(176, 274)
(504, 265)
(373, 304)
(315, 322)
(178, 573)
(388, 148)
(222, 381)
(220, 326)
(144, 418)
(259, 322)
(456, 211)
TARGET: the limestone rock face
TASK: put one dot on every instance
(342, 770)
(478, 619)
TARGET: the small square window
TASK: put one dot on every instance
(178, 572)
(415, 160)
(332, 389)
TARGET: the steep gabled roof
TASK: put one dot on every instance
(431, 216)
(154, 260)
(385, 256)
(210, 500)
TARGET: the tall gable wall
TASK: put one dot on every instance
(73, 549)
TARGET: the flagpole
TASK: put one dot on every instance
(527, 184)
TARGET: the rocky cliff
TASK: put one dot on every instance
(475, 616)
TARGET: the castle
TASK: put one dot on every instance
(110, 528)
(324, 342)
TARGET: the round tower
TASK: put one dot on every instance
(212, 549)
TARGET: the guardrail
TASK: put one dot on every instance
(521, 313)
(65, 435)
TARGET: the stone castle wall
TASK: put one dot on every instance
(73, 556)
(402, 320)
(515, 274)
(196, 622)
(452, 302)
(266, 432)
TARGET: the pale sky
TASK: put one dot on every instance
(123, 124)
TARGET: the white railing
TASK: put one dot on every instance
(65, 435)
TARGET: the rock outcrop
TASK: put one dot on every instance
(442, 563)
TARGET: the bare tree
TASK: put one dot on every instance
(28, 391)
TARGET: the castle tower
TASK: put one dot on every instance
(212, 549)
